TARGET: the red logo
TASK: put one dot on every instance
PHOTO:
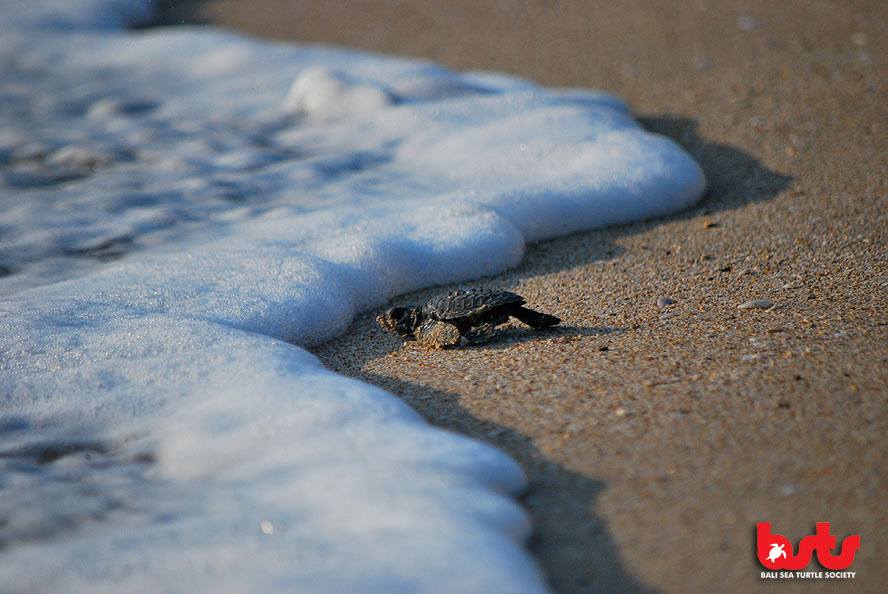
(775, 550)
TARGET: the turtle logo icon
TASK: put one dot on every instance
(776, 552)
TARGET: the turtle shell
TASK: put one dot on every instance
(471, 303)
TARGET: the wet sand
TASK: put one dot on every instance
(654, 438)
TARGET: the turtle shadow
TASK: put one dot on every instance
(503, 337)
(508, 336)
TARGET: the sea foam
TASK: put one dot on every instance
(182, 212)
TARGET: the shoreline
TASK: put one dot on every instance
(654, 438)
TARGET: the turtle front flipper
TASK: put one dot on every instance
(435, 334)
(480, 334)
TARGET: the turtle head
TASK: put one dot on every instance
(401, 320)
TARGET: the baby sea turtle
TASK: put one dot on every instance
(461, 317)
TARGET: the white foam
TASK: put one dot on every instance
(325, 94)
(182, 210)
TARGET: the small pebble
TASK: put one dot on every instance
(266, 527)
(620, 412)
(664, 301)
(757, 304)
(667, 315)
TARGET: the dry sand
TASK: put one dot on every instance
(655, 438)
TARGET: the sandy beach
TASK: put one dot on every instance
(655, 437)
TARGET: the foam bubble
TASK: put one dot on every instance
(322, 93)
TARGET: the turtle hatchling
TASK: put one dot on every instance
(461, 317)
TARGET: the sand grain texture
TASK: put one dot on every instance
(655, 437)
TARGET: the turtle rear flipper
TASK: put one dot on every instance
(534, 319)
